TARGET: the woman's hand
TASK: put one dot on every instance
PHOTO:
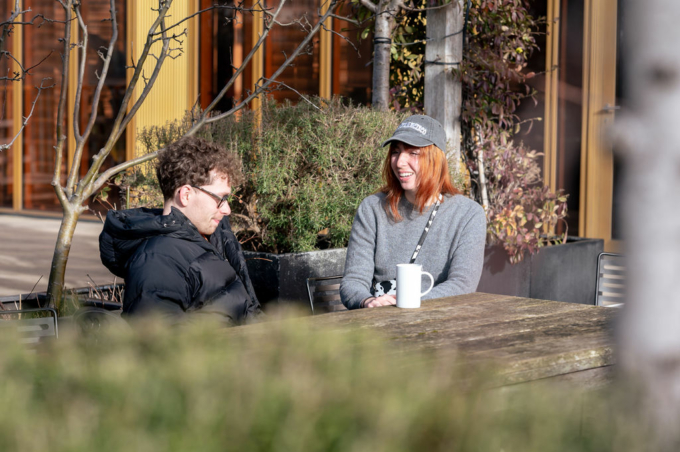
(384, 300)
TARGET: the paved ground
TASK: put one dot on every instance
(26, 248)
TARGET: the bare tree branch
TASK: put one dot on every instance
(18, 76)
(109, 173)
(61, 109)
(81, 77)
(7, 26)
(138, 69)
(26, 118)
(372, 7)
(160, 21)
(16, 12)
(28, 69)
(341, 36)
(81, 140)
(86, 187)
(204, 117)
(73, 204)
(213, 7)
(347, 19)
(403, 6)
(294, 90)
(39, 16)
(281, 68)
(272, 21)
(106, 175)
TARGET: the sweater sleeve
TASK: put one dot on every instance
(360, 260)
(466, 259)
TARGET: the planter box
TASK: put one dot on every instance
(39, 299)
(566, 272)
(24, 301)
(560, 273)
(282, 278)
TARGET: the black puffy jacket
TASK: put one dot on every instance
(169, 268)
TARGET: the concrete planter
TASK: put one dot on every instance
(560, 273)
(282, 278)
(24, 301)
(39, 299)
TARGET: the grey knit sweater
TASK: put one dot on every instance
(453, 251)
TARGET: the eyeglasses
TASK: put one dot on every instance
(220, 200)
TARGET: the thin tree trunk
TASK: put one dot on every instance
(62, 248)
(77, 191)
(482, 179)
(443, 92)
(649, 333)
(382, 39)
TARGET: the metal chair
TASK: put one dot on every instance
(611, 277)
(95, 315)
(324, 294)
(31, 330)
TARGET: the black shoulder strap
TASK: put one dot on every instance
(427, 229)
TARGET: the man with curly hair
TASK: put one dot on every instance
(183, 260)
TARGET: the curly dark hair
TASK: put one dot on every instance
(189, 162)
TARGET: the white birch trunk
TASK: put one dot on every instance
(382, 38)
(649, 332)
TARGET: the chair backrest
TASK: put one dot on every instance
(324, 294)
(611, 280)
(31, 329)
(91, 320)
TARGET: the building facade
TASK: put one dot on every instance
(579, 86)
(216, 42)
(580, 90)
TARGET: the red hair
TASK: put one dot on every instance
(433, 179)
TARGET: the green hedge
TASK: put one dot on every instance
(277, 387)
(307, 169)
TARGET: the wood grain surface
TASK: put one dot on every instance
(528, 339)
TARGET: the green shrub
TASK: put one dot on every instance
(306, 167)
(277, 387)
(307, 170)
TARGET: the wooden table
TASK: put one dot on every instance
(531, 339)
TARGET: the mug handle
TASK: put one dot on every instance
(431, 283)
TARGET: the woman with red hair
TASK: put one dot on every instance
(418, 216)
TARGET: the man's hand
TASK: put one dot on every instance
(384, 300)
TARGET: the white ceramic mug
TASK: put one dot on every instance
(408, 285)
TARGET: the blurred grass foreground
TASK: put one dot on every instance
(285, 388)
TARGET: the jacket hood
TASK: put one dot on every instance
(125, 230)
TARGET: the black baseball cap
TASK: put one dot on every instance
(419, 131)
